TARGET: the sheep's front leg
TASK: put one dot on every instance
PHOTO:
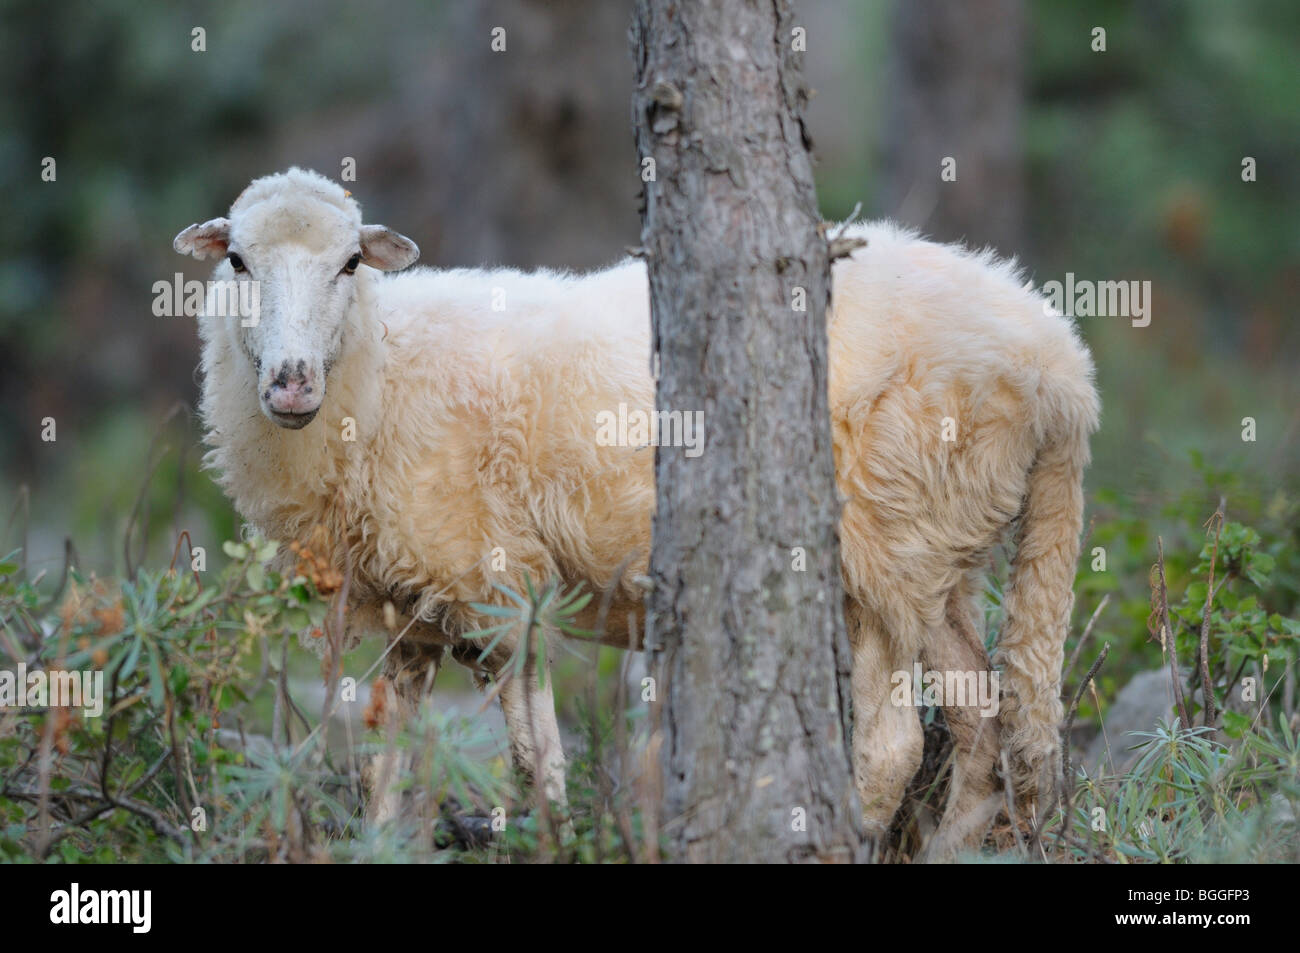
(534, 732)
(409, 672)
(384, 769)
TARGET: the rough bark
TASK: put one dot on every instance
(957, 89)
(750, 653)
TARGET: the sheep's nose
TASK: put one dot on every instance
(292, 394)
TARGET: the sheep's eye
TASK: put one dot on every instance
(351, 266)
(236, 262)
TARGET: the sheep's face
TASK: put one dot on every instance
(304, 258)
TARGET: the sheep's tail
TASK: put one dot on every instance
(1040, 597)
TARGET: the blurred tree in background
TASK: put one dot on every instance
(957, 102)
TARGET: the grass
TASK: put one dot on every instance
(204, 754)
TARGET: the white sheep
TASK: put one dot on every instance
(456, 417)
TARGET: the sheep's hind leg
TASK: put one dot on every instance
(973, 798)
(888, 741)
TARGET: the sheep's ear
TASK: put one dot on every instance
(385, 249)
(209, 240)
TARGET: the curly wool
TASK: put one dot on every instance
(473, 434)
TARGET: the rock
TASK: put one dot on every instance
(258, 749)
(1145, 700)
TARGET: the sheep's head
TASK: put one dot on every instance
(300, 239)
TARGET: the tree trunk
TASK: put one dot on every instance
(746, 626)
(956, 92)
(535, 139)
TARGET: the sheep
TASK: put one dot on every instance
(453, 416)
